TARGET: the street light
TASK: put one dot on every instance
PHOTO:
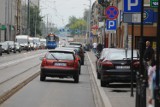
(89, 20)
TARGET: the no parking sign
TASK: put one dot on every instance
(111, 12)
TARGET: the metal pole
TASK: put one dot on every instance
(89, 21)
(35, 24)
(28, 18)
(132, 60)
(0, 31)
(157, 90)
(142, 70)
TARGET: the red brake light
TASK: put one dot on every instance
(70, 64)
(136, 64)
(107, 63)
(44, 62)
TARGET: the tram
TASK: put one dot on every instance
(52, 41)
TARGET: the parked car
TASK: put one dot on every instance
(12, 46)
(114, 65)
(18, 47)
(78, 44)
(5, 47)
(0, 50)
(60, 63)
(80, 52)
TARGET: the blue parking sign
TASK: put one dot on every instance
(111, 24)
(132, 6)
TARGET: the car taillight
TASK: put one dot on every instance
(76, 63)
(136, 64)
(107, 63)
(44, 62)
(70, 64)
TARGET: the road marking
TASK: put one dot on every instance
(102, 93)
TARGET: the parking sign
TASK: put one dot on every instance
(132, 6)
(111, 25)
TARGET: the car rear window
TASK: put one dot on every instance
(119, 55)
(60, 56)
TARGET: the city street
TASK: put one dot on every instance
(55, 92)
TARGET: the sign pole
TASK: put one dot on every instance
(157, 90)
(132, 60)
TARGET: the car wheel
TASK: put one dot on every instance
(1, 54)
(98, 75)
(8, 52)
(83, 62)
(103, 83)
(76, 78)
(42, 77)
(80, 70)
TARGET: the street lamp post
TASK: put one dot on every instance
(89, 27)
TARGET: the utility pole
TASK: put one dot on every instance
(28, 18)
(5, 38)
(89, 20)
(35, 24)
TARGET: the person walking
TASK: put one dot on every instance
(94, 47)
(149, 53)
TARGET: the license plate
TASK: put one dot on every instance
(60, 64)
(122, 67)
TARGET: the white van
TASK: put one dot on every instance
(23, 40)
(36, 42)
(42, 43)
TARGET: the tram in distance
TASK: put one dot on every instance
(52, 41)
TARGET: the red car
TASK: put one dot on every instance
(60, 63)
(114, 65)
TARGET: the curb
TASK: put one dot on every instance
(105, 99)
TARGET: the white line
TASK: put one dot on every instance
(102, 93)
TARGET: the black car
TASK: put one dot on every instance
(0, 50)
(5, 47)
(114, 65)
(80, 52)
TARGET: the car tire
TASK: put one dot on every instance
(1, 54)
(103, 83)
(8, 52)
(80, 69)
(76, 78)
(42, 77)
(98, 75)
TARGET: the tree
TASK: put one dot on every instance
(76, 25)
(35, 21)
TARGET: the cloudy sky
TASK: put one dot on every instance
(58, 11)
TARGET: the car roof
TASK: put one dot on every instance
(60, 50)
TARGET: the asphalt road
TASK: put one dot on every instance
(54, 92)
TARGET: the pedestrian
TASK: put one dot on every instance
(149, 53)
(94, 47)
(99, 47)
(151, 82)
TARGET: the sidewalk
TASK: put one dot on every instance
(112, 96)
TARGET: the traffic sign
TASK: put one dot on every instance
(111, 25)
(111, 12)
(132, 6)
(154, 3)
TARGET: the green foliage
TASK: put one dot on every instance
(35, 19)
(76, 25)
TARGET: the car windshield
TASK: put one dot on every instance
(60, 56)
(21, 41)
(121, 55)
